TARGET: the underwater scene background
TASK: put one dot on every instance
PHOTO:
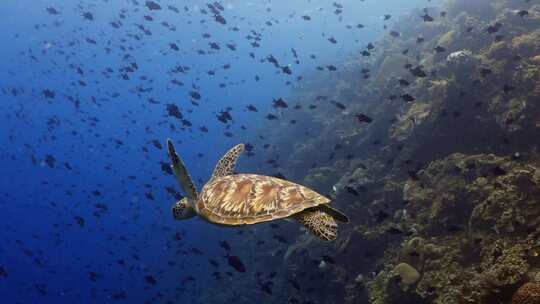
(420, 120)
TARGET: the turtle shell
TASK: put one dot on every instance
(245, 199)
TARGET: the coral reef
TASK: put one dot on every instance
(529, 293)
(443, 190)
(476, 217)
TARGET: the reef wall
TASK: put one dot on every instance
(443, 185)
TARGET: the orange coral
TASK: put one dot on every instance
(528, 293)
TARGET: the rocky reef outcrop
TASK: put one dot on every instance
(443, 184)
(474, 230)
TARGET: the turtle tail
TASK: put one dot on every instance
(319, 223)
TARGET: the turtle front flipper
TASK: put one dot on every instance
(181, 173)
(319, 223)
(226, 164)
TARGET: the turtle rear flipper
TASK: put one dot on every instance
(319, 223)
(181, 173)
(336, 214)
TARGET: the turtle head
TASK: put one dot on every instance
(184, 209)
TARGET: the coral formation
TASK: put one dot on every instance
(443, 190)
(529, 293)
(408, 274)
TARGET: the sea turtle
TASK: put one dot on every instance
(231, 199)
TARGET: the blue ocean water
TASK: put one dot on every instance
(88, 91)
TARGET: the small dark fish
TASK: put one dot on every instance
(48, 93)
(280, 176)
(440, 49)
(381, 216)
(271, 117)
(485, 71)
(42, 288)
(394, 230)
(174, 9)
(225, 245)
(395, 34)
(52, 11)
(157, 144)
(454, 228)
(251, 108)
(267, 287)
(151, 5)
(294, 284)
(351, 190)
(174, 46)
(174, 111)
(498, 171)
(403, 83)
(387, 17)
(494, 27)
(414, 254)
(523, 13)
(407, 97)
(332, 40)
(279, 103)
(80, 221)
(339, 105)
(196, 251)
(418, 72)
(273, 60)
(224, 116)
(507, 89)
(427, 18)
(331, 68)
(328, 259)
(413, 175)
(88, 16)
(50, 161)
(364, 118)
(220, 19)
(286, 69)
(236, 263)
(150, 280)
(280, 239)
(195, 95)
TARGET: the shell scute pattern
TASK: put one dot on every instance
(249, 198)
